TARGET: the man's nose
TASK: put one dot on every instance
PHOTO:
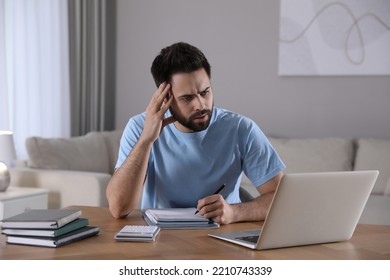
(200, 103)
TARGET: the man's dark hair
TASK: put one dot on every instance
(179, 57)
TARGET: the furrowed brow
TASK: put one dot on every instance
(206, 89)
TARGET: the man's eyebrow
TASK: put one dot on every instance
(206, 89)
(191, 94)
(184, 95)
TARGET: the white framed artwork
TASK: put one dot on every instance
(327, 37)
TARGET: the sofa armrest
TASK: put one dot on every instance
(65, 187)
(247, 190)
(376, 211)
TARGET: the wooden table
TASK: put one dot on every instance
(368, 242)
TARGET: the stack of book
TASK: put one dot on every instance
(177, 218)
(47, 227)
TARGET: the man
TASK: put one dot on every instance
(182, 149)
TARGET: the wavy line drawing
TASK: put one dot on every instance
(355, 25)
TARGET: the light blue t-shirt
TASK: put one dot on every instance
(184, 167)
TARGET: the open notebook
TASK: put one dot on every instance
(177, 218)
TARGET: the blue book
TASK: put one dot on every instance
(70, 237)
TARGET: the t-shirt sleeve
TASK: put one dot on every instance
(260, 162)
(129, 138)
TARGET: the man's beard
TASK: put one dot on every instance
(189, 122)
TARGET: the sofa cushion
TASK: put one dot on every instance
(374, 154)
(112, 139)
(315, 155)
(83, 153)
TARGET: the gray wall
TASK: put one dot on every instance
(240, 40)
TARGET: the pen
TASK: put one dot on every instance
(218, 191)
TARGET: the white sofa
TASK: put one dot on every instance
(77, 170)
(336, 154)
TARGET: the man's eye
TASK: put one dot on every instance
(205, 92)
(187, 98)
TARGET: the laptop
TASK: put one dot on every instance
(310, 208)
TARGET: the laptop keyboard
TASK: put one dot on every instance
(250, 239)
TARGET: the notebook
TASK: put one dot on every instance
(54, 242)
(310, 208)
(42, 218)
(177, 218)
(76, 224)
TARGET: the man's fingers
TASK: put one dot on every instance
(162, 93)
(164, 108)
(209, 203)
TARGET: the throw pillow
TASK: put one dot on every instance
(315, 155)
(83, 153)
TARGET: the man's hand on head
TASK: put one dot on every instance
(158, 106)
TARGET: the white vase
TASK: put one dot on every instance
(5, 178)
